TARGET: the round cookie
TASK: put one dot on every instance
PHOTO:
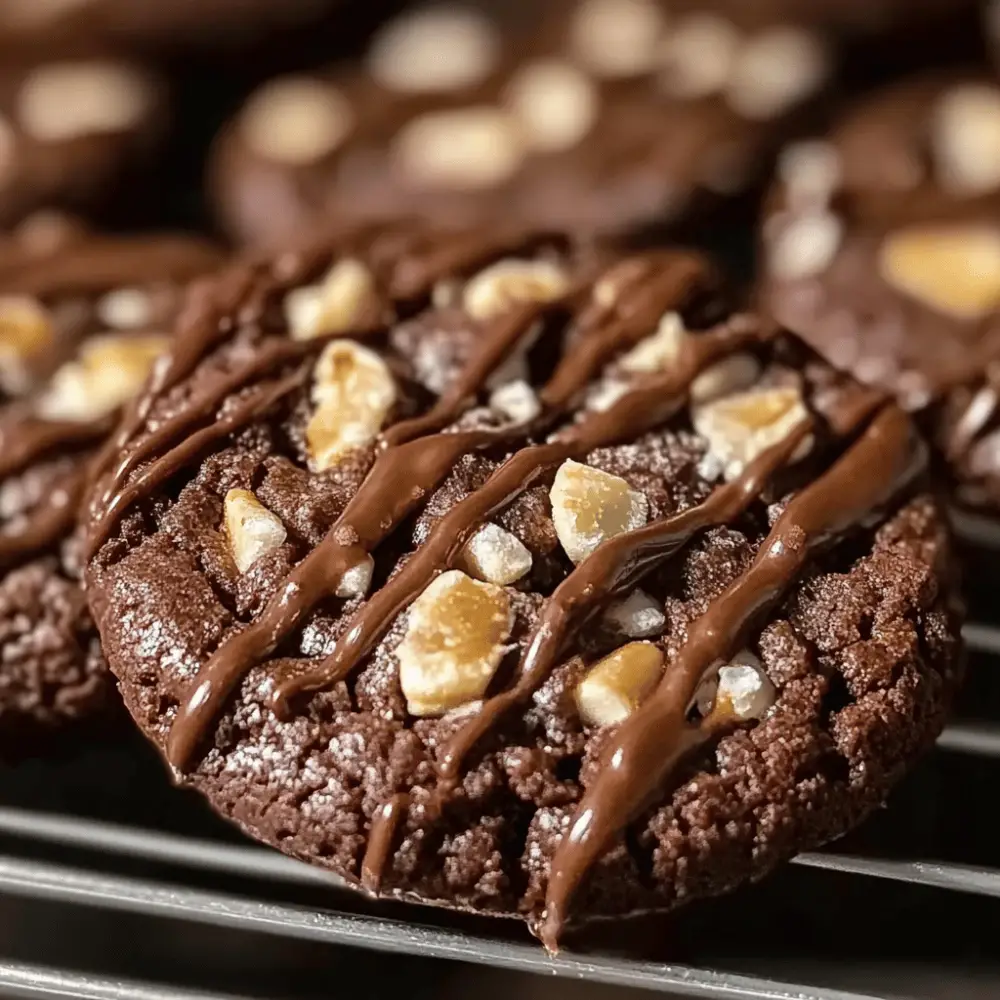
(82, 318)
(489, 574)
(72, 133)
(608, 115)
(881, 247)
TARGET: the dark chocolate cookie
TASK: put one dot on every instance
(882, 249)
(490, 575)
(82, 318)
(607, 115)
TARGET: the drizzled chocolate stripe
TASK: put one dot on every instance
(32, 438)
(48, 523)
(640, 758)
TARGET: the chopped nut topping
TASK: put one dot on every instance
(805, 245)
(62, 101)
(356, 581)
(699, 56)
(617, 38)
(589, 506)
(473, 147)
(953, 269)
(108, 371)
(510, 282)
(353, 391)
(434, 50)
(124, 309)
(455, 639)
(251, 528)
(738, 428)
(658, 351)
(516, 401)
(496, 556)
(333, 305)
(638, 616)
(966, 139)
(616, 685)
(738, 371)
(555, 103)
(775, 70)
(296, 120)
(25, 334)
(739, 690)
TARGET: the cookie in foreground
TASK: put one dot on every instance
(489, 574)
(882, 249)
(82, 318)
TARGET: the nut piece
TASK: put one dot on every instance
(124, 309)
(740, 690)
(965, 133)
(333, 305)
(699, 56)
(589, 506)
(638, 616)
(465, 148)
(507, 283)
(617, 38)
(353, 391)
(616, 685)
(516, 401)
(25, 334)
(738, 428)
(805, 245)
(107, 372)
(356, 581)
(433, 50)
(455, 639)
(555, 103)
(296, 120)
(658, 351)
(496, 556)
(251, 528)
(63, 101)
(952, 269)
(774, 71)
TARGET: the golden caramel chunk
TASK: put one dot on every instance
(495, 555)
(509, 282)
(616, 685)
(251, 528)
(952, 269)
(738, 428)
(25, 334)
(332, 306)
(107, 372)
(353, 392)
(589, 506)
(455, 639)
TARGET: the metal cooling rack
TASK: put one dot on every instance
(77, 893)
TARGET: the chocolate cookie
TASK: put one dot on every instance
(882, 249)
(490, 575)
(608, 115)
(82, 318)
(72, 132)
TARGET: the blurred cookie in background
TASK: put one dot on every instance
(606, 116)
(82, 319)
(881, 247)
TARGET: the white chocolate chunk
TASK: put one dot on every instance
(555, 103)
(124, 309)
(739, 690)
(776, 70)
(501, 286)
(739, 427)
(252, 530)
(699, 55)
(496, 556)
(62, 101)
(590, 505)
(334, 305)
(516, 401)
(638, 616)
(658, 351)
(952, 269)
(465, 148)
(616, 685)
(436, 49)
(965, 137)
(456, 636)
(732, 373)
(810, 172)
(106, 374)
(805, 245)
(353, 391)
(617, 38)
(356, 581)
(296, 120)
